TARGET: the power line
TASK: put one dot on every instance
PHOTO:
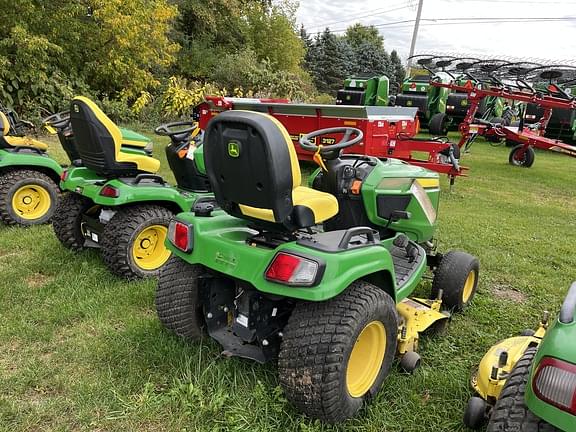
(361, 16)
(469, 20)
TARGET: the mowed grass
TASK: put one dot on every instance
(83, 350)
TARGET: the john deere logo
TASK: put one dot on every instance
(464, 102)
(234, 149)
(409, 103)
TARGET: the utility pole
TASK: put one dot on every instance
(415, 34)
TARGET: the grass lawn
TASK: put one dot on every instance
(83, 350)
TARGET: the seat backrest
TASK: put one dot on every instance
(252, 166)
(4, 124)
(98, 140)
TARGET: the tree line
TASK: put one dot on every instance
(148, 58)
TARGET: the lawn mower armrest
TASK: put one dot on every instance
(569, 306)
(357, 231)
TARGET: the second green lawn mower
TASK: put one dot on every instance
(316, 278)
(29, 177)
(116, 202)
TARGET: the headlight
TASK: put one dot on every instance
(424, 201)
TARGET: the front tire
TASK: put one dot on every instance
(335, 354)
(522, 157)
(133, 241)
(510, 413)
(457, 277)
(177, 298)
(438, 124)
(67, 221)
(27, 197)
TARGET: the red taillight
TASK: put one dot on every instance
(110, 192)
(555, 383)
(413, 85)
(292, 270)
(64, 175)
(180, 235)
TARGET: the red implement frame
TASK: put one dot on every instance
(527, 137)
(384, 135)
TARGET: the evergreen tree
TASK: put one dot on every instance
(396, 69)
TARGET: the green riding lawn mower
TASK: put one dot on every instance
(318, 278)
(115, 200)
(527, 383)
(431, 101)
(29, 177)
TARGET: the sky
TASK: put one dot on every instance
(551, 40)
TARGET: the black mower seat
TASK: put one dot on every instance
(253, 168)
(99, 141)
(11, 142)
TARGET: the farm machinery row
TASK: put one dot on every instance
(389, 132)
(543, 90)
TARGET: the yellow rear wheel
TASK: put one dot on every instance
(469, 286)
(27, 197)
(366, 359)
(31, 202)
(148, 249)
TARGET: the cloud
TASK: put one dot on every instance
(546, 40)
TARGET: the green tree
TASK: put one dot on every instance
(397, 72)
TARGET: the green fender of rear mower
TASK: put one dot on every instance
(85, 182)
(10, 159)
(558, 343)
(219, 243)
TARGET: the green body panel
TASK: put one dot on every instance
(199, 160)
(134, 138)
(12, 159)
(87, 183)
(400, 176)
(376, 89)
(220, 244)
(558, 343)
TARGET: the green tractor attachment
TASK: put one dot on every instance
(29, 192)
(316, 278)
(364, 91)
(527, 383)
(116, 202)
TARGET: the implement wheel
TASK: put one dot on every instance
(519, 156)
(335, 354)
(457, 277)
(133, 241)
(177, 298)
(27, 197)
(67, 221)
(510, 413)
(438, 124)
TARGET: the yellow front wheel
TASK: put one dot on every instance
(457, 279)
(27, 197)
(133, 241)
(336, 354)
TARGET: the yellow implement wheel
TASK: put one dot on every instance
(469, 285)
(366, 359)
(148, 249)
(31, 202)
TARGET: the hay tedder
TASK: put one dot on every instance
(389, 132)
(527, 83)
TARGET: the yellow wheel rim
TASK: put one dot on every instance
(469, 287)
(31, 202)
(366, 359)
(148, 249)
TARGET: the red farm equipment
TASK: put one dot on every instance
(524, 82)
(389, 132)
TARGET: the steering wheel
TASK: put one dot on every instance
(59, 120)
(331, 151)
(176, 129)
